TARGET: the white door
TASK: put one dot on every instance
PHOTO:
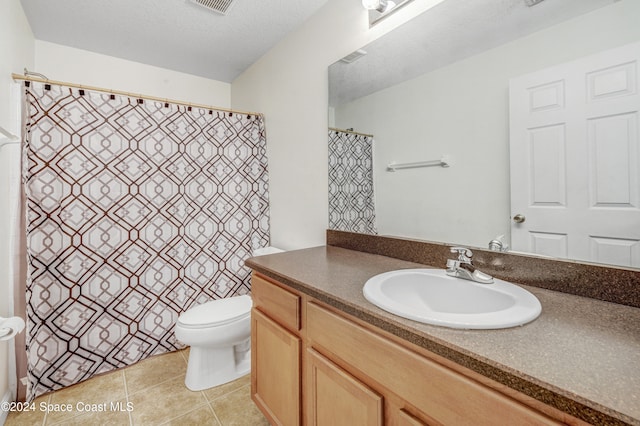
(575, 159)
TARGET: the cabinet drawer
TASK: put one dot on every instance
(280, 304)
(444, 395)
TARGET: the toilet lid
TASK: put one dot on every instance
(217, 312)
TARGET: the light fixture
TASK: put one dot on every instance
(381, 6)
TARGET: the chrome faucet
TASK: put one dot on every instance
(463, 267)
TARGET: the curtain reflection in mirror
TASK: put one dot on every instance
(351, 200)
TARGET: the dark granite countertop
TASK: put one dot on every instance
(581, 355)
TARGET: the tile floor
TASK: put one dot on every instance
(151, 392)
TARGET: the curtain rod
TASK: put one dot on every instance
(350, 131)
(133, 95)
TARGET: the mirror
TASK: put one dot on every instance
(439, 86)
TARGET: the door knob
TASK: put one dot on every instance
(519, 218)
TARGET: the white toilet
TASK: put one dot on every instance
(219, 333)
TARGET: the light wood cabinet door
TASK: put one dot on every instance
(275, 379)
(337, 398)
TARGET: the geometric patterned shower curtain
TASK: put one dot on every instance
(351, 190)
(136, 211)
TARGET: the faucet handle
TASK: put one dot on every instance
(464, 254)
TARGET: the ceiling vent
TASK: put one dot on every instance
(352, 57)
(218, 6)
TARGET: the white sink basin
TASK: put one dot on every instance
(432, 297)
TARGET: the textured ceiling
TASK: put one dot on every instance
(451, 31)
(173, 34)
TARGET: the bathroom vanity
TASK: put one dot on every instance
(322, 354)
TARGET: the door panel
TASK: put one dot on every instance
(614, 164)
(547, 166)
(575, 159)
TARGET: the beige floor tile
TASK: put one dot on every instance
(153, 371)
(165, 401)
(31, 417)
(237, 409)
(218, 391)
(115, 415)
(185, 354)
(201, 416)
(103, 389)
(157, 395)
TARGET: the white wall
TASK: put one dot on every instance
(16, 52)
(289, 85)
(73, 65)
(462, 110)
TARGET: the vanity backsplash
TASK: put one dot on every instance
(601, 282)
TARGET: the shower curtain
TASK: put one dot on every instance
(351, 190)
(136, 210)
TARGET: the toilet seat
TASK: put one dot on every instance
(216, 312)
